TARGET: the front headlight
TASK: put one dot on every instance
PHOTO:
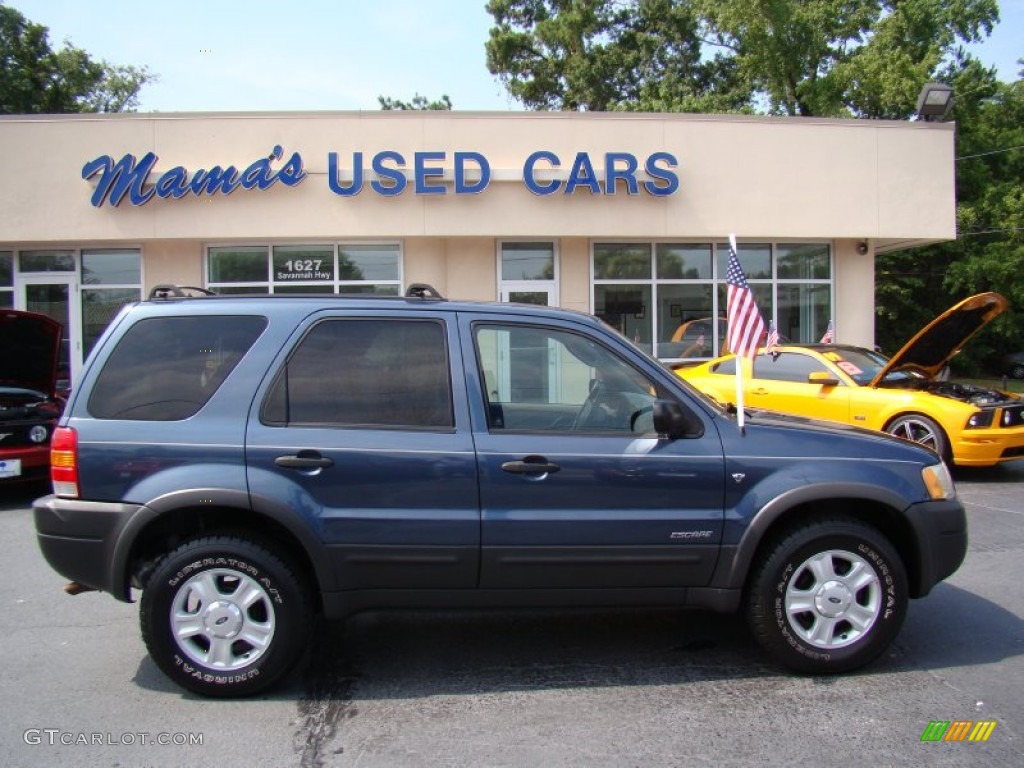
(980, 419)
(938, 481)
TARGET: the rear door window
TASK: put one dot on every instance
(167, 368)
(360, 372)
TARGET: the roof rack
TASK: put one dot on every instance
(170, 291)
(422, 291)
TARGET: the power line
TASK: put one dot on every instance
(993, 152)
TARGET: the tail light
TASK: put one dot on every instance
(64, 462)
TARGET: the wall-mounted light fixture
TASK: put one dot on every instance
(862, 247)
(934, 102)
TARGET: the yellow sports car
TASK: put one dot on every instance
(904, 396)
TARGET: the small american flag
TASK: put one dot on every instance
(746, 327)
(829, 335)
(773, 337)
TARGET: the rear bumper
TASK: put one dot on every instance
(940, 529)
(79, 540)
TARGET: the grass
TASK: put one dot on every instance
(1011, 385)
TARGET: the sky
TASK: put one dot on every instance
(242, 55)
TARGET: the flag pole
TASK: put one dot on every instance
(738, 357)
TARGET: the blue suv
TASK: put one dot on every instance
(247, 463)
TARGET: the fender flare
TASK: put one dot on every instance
(732, 572)
(215, 497)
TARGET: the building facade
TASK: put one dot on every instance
(626, 216)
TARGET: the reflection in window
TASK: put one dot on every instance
(46, 261)
(365, 373)
(548, 380)
(679, 299)
(373, 268)
(166, 369)
(527, 261)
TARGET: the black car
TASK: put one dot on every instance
(29, 401)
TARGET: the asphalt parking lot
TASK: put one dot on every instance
(594, 688)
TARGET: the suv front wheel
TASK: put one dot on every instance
(224, 616)
(828, 597)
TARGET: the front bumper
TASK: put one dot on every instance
(940, 529)
(985, 447)
(79, 539)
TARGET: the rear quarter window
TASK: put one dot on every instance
(167, 368)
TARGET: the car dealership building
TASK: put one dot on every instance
(623, 215)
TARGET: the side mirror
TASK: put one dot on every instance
(822, 378)
(675, 421)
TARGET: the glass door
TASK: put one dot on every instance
(56, 296)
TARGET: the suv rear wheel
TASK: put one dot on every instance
(828, 597)
(224, 616)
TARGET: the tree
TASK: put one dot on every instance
(36, 79)
(843, 58)
(607, 55)
(988, 254)
(827, 58)
(418, 102)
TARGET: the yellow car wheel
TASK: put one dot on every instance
(920, 429)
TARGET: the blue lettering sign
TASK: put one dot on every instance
(463, 187)
(670, 178)
(387, 175)
(125, 177)
(334, 181)
(528, 173)
(119, 179)
(423, 172)
(582, 173)
(613, 173)
(395, 177)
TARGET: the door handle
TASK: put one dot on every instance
(530, 465)
(304, 460)
(759, 391)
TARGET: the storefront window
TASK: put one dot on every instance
(119, 272)
(362, 264)
(804, 312)
(755, 260)
(6, 279)
(803, 261)
(622, 261)
(319, 268)
(527, 261)
(681, 302)
(238, 265)
(686, 261)
(46, 261)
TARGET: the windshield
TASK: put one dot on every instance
(862, 365)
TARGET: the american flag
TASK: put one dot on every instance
(829, 335)
(773, 336)
(745, 324)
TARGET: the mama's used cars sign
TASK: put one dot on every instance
(388, 173)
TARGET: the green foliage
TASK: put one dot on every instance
(988, 254)
(825, 58)
(600, 55)
(418, 102)
(36, 79)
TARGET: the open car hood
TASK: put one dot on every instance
(936, 344)
(29, 346)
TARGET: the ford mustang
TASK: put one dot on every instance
(905, 396)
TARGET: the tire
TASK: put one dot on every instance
(922, 430)
(828, 597)
(1017, 371)
(238, 638)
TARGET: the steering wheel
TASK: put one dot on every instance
(603, 409)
